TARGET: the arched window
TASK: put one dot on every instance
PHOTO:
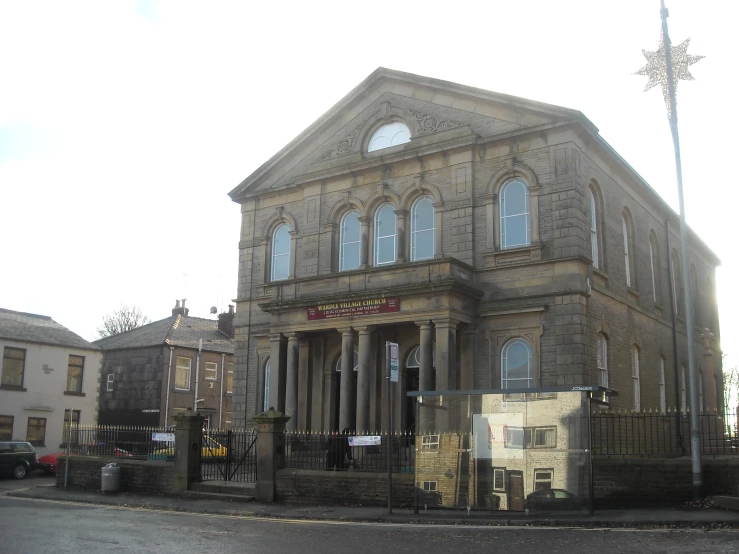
(386, 235)
(677, 282)
(355, 365)
(628, 252)
(281, 253)
(423, 229)
(602, 360)
(654, 264)
(516, 365)
(662, 386)
(694, 296)
(515, 227)
(635, 382)
(594, 230)
(414, 358)
(390, 134)
(266, 386)
(350, 237)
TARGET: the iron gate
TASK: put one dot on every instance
(228, 456)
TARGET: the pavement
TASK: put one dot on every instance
(702, 514)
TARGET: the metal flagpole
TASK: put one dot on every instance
(661, 70)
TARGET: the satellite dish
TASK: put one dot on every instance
(213, 310)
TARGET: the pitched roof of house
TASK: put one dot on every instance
(176, 330)
(25, 327)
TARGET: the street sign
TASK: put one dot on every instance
(163, 437)
(368, 440)
(394, 362)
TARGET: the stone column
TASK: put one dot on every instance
(291, 383)
(363, 378)
(426, 359)
(270, 453)
(188, 428)
(347, 379)
(446, 354)
(402, 255)
(467, 355)
(276, 372)
(305, 391)
(364, 245)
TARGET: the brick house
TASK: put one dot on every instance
(47, 371)
(151, 373)
(501, 242)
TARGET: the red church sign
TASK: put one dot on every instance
(383, 305)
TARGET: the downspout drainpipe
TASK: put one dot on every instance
(197, 374)
(673, 305)
(169, 381)
(220, 407)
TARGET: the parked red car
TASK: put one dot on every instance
(48, 463)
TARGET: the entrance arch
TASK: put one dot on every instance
(412, 383)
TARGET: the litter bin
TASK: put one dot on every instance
(111, 478)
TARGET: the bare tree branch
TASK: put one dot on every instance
(731, 388)
(123, 319)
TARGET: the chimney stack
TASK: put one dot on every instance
(226, 322)
(180, 310)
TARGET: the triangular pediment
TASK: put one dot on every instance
(434, 110)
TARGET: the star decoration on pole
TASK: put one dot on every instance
(656, 68)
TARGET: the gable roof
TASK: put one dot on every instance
(279, 163)
(40, 329)
(176, 330)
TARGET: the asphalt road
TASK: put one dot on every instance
(34, 526)
(34, 479)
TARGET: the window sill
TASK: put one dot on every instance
(180, 390)
(600, 277)
(510, 256)
(13, 387)
(73, 393)
(632, 294)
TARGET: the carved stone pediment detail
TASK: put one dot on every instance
(428, 123)
(344, 146)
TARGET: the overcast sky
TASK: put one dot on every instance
(124, 124)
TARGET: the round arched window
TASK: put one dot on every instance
(390, 134)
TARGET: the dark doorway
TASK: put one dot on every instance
(516, 495)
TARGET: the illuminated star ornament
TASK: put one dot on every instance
(656, 68)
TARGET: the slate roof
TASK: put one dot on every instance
(25, 327)
(176, 330)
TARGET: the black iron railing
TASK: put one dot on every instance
(319, 450)
(228, 455)
(657, 435)
(121, 441)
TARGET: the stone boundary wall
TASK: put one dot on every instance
(342, 487)
(638, 482)
(140, 476)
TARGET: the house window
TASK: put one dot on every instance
(75, 369)
(73, 432)
(6, 427)
(499, 479)
(109, 382)
(228, 420)
(423, 229)
(544, 437)
(654, 263)
(514, 437)
(266, 386)
(386, 235)
(182, 373)
(515, 227)
(602, 360)
(430, 442)
(14, 363)
(211, 371)
(429, 486)
(628, 261)
(594, 231)
(355, 365)
(36, 433)
(543, 479)
(677, 282)
(662, 391)
(683, 390)
(350, 238)
(281, 253)
(230, 379)
(390, 134)
(516, 366)
(636, 401)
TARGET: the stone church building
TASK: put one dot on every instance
(501, 242)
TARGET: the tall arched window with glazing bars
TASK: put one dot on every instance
(515, 224)
(386, 235)
(350, 239)
(423, 229)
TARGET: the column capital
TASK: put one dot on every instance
(345, 330)
(426, 322)
(365, 330)
(275, 337)
(468, 329)
(294, 335)
(446, 322)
